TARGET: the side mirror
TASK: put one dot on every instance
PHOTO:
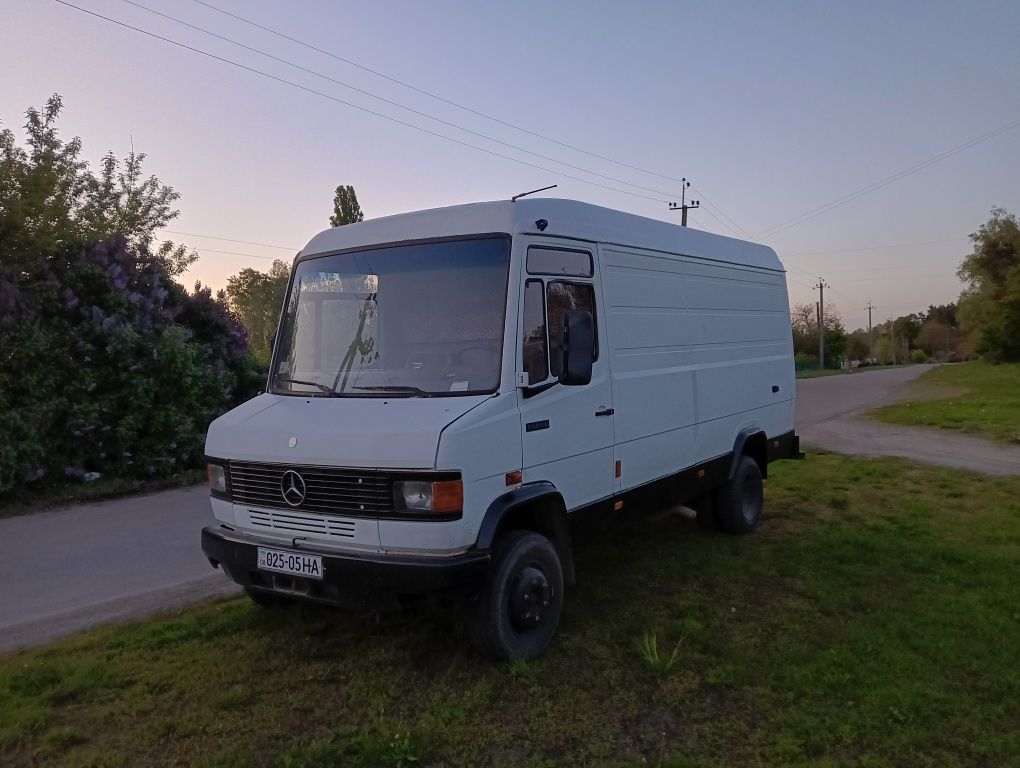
(578, 347)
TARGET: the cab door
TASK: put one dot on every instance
(567, 430)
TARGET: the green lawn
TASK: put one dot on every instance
(976, 398)
(815, 373)
(874, 620)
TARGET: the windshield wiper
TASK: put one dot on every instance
(320, 387)
(411, 391)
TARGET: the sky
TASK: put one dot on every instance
(772, 110)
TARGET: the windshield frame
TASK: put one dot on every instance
(391, 395)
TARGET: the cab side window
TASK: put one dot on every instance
(545, 304)
(564, 297)
(536, 348)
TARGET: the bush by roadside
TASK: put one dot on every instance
(111, 367)
(108, 366)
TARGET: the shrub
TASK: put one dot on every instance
(1000, 341)
(110, 366)
(805, 360)
(919, 356)
(106, 364)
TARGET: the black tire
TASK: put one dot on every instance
(739, 502)
(268, 599)
(520, 602)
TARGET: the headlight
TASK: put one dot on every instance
(217, 478)
(441, 496)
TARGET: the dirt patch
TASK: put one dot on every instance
(922, 391)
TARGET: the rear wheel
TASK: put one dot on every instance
(519, 606)
(739, 502)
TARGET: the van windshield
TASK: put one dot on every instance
(418, 320)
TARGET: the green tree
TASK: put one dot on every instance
(858, 345)
(50, 198)
(257, 297)
(944, 314)
(346, 209)
(804, 320)
(907, 329)
(990, 303)
(107, 364)
(835, 343)
(884, 349)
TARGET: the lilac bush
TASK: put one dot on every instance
(107, 365)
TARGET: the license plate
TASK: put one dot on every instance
(295, 563)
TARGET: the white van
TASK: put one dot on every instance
(454, 393)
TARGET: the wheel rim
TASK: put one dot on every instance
(751, 500)
(530, 598)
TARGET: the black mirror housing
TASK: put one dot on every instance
(578, 348)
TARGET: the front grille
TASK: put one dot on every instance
(302, 523)
(358, 493)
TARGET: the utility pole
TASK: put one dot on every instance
(871, 336)
(684, 205)
(822, 285)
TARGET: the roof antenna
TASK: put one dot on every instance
(525, 194)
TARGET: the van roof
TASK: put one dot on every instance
(566, 218)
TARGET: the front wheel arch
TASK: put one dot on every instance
(537, 507)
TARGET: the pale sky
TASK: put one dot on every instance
(771, 109)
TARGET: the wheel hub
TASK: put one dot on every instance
(530, 596)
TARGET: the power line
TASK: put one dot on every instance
(213, 250)
(235, 253)
(313, 91)
(715, 211)
(800, 281)
(392, 103)
(888, 268)
(878, 247)
(433, 95)
(886, 181)
(229, 240)
(708, 205)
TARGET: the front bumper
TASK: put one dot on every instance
(357, 581)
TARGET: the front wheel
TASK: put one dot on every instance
(739, 502)
(519, 605)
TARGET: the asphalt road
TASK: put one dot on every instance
(74, 568)
(69, 569)
(829, 411)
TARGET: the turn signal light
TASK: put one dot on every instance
(447, 496)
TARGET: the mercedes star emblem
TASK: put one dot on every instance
(292, 486)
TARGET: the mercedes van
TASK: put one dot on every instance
(455, 394)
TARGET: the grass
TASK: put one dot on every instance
(974, 398)
(873, 620)
(815, 373)
(62, 493)
(656, 660)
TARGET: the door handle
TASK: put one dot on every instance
(605, 412)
